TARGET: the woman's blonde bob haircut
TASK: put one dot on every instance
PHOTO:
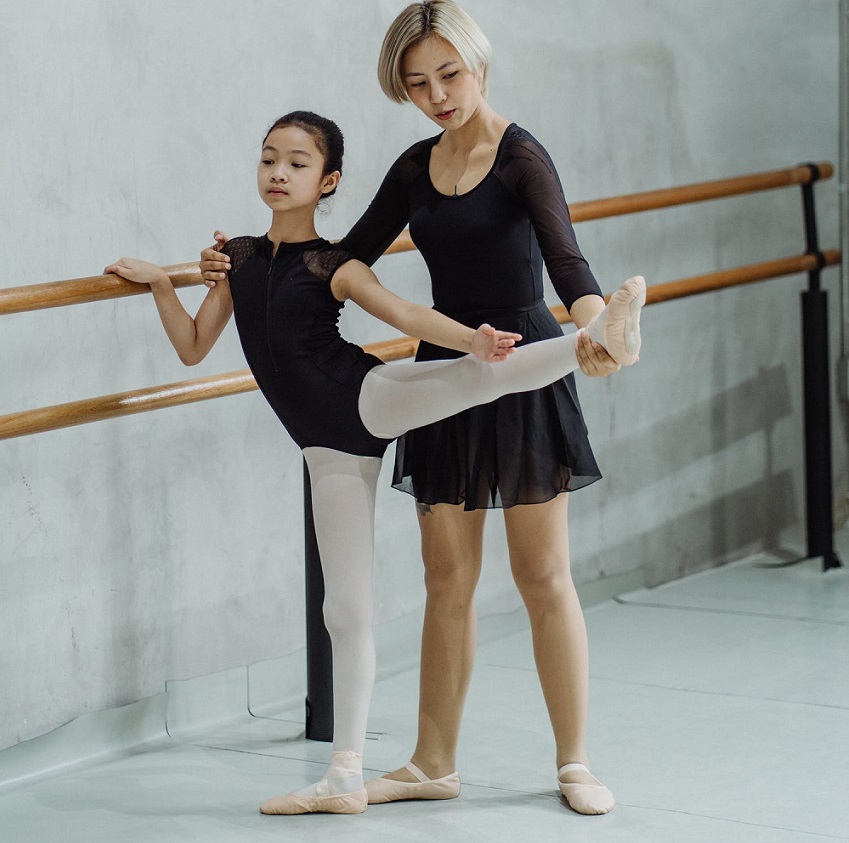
(423, 20)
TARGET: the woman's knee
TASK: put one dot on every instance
(543, 580)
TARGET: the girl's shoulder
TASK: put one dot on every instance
(240, 249)
(323, 259)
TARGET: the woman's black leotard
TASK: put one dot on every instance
(287, 319)
(485, 252)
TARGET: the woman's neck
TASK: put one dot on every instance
(485, 127)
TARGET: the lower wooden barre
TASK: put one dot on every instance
(217, 386)
(158, 397)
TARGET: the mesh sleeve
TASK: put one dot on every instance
(323, 263)
(529, 174)
(389, 211)
(239, 249)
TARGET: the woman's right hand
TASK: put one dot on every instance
(214, 264)
(139, 272)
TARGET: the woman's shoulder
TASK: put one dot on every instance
(520, 147)
(414, 160)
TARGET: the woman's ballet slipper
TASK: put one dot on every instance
(298, 803)
(618, 329)
(585, 798)
(389, 790)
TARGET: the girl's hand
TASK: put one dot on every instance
(139, 272)
(214, 264)
(490, 345)
(593, 358)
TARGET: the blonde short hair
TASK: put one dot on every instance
(423, 20)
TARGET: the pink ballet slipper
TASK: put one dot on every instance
(617, 327)
(298, 803)
(389, 790)
(585, 798)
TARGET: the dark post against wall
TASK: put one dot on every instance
(815, 360)
(319, 702)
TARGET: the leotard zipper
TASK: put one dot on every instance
(268, 312)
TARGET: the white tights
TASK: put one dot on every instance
(393, 399)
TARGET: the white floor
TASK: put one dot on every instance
(719, 712)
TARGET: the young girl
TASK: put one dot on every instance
(341, 405)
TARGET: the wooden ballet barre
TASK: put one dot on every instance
(671, 197)
(101, 287)
(217, 386)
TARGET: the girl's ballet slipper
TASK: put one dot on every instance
(618, 327)
(296, 803)
(585, 798)
(389, 790)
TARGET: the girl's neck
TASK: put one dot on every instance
(292, 227)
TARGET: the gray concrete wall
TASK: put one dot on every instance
(168, 545)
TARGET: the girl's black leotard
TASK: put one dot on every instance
(485, 251)
(287, 319)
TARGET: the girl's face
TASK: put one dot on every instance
(439, 84)
(290, 174)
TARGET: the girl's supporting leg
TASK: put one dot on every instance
(343, 491)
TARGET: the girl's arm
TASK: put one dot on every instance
(192, 338)
(355, 281)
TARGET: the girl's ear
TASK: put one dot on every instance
(330, 181)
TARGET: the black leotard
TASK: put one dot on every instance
(287, 319)
(485, 251)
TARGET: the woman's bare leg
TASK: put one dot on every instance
(452, 542)
(538, 541)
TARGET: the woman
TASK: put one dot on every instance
(341, 405)
(485, 206)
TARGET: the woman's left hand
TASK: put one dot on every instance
(593, 358)
(490, 345)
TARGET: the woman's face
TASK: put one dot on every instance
(439, 84)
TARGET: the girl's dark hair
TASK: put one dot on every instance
(326, 134)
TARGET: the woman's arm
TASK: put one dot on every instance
(191, 338)
(355, 281)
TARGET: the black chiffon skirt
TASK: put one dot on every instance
(523, 448)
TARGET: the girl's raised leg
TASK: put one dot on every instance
(395, 399)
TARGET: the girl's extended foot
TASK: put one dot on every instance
(584, 793)
(341, 791)
(617, 327)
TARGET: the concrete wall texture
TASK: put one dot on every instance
(168, 545)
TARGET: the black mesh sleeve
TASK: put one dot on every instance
(389, 211)
(239, 249)
(529, 174)
(323, 263)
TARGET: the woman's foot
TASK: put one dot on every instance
(395, 790)
(584, 793)
(617, 327)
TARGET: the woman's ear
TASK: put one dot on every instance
(331, 180)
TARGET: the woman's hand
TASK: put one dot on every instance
(214, 264)
(490, 345)
(139, 272)
(593, 358)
